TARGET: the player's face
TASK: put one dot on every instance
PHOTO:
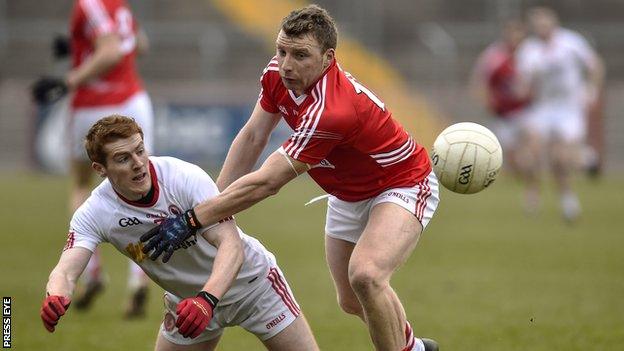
(542, 24)
(127, 167)
(301, 61)
(514, 33)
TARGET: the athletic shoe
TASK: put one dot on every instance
(91, 290)
(430, 345)
(136, 306)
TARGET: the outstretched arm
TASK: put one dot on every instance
(63, 277)
(228, 260)
(247, 146)
(276, 171)
(108, 53)
(61, 285)
(252, 188)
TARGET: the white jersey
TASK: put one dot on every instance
(557, 67)
(108, 217)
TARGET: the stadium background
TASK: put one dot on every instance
(484, 277)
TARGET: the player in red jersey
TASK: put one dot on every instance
(382, 191)
(104, 41)
(494, 83)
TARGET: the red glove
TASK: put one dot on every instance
(52, 308)
(194, 314)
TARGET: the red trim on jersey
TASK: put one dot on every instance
(281, 289)
(155, 194)
(70, 241)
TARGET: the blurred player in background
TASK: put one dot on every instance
(104, 42)
(493, 82)
(382, 190)
(563, 75)
(220, 278)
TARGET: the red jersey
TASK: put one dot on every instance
(341, 128)
(498, 69)
(90, 19)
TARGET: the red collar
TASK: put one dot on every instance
(155, 193)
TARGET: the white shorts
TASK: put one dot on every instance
(347, 220)
(139, 107)
(560, 122)
(508, 129)
(265, 312)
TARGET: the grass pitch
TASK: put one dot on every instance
(483, 277)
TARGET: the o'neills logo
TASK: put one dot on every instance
(399, 195)
(276, 321)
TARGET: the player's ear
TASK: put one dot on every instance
(328, 56)
(99, 169)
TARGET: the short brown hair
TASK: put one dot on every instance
(312, 19)
(106, 130)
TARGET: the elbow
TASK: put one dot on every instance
(271, 188)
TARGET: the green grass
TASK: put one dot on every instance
(483, 277)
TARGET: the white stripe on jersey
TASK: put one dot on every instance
(316, 118)
(397, 155)
(97, 16)
(272, 66)
(319, 134)
(398, 158)
(393, 152)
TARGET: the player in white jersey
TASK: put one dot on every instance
(220, 278)
(563, 74)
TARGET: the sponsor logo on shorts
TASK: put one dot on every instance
(275, 321)
(400, 196)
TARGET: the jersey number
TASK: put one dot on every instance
(123, 17)
(359, 88)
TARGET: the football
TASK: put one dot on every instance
(466, 157)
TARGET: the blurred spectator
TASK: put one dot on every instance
(493, 82)
(104, 41)
(563, 75)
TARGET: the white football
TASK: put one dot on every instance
(466, 157)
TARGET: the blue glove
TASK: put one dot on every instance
(168, 236)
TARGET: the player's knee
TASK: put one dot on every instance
(350, 305)
(366, 278)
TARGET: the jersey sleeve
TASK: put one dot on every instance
(267, 82)
(84, 231)
(98, 21)
(582, 50)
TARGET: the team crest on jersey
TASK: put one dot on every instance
(324, 164)
(136, 252)
(174, 210)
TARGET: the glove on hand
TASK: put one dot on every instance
(195, 313)
(168, 236)
(52, 308)
(48, 90)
